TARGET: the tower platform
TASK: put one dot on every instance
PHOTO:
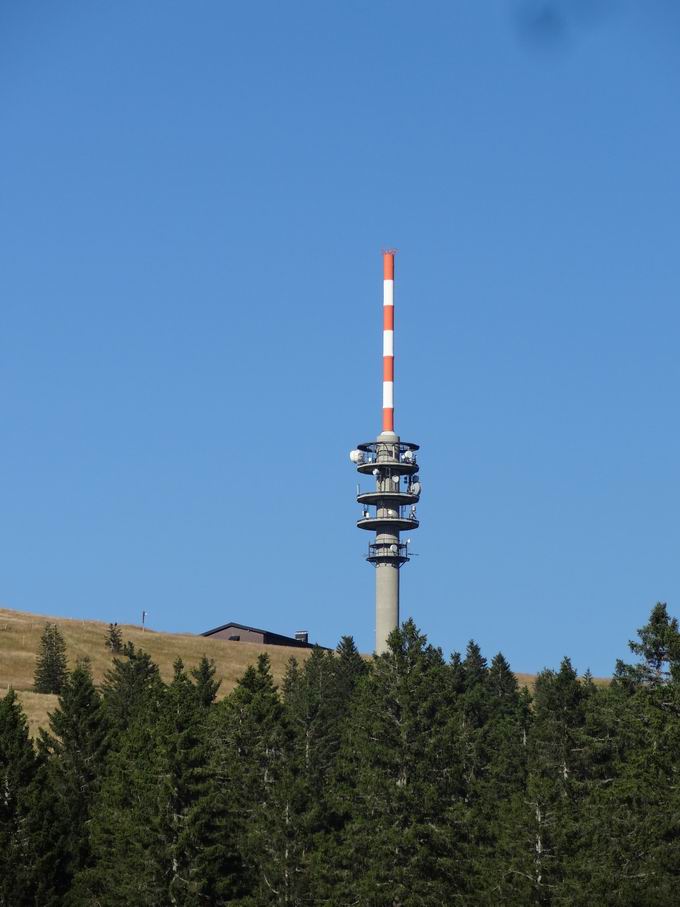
(388, 524)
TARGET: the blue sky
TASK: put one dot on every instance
(193, 201)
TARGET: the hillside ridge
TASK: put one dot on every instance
(20, 633)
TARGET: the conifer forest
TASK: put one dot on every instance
(405, 780)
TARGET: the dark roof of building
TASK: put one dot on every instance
(277, 639)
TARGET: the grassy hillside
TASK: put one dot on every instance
(20, 638)
(20, 634)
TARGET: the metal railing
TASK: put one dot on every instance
(403, 512)
(387, 485)
(385, 452)
(387, 551)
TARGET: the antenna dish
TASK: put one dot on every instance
(376, 473)
(356, 456)
(394, 549)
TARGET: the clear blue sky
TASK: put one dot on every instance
(193, 198)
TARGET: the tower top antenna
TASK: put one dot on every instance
(388, 342)
(392, 464)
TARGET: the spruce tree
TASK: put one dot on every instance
(659, 651)
(398, 782)
(206, 685)
(51, 667)
(18, 767)
(496, 745)
(320, 713)
(184, 769)
(548, 834)
(132, 687)
(77, 745)
(248, 738)
(456, 674)
(150, 834)
(350, 667)
(129, 863)
(475, 706)
(114, 639)
(45, 871)
(634, 810)
(302, 819)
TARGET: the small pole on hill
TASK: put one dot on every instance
(144, 613)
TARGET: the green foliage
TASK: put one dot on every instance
(659, 651)
(18, 767)
(132, 687)
(206, 685)
(248, 739)
(77, 745)
(404, 781)
(45, 872)
(128, 865)
(399, 783)
(50, 668)
(114, 639)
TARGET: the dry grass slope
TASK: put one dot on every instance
(20, 634)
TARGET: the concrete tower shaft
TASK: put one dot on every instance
(390, 507)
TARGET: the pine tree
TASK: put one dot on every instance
(114, 639)
(475, 669)
(594, 867)
(248, 738)
(132, 687)
(456, 674)
(399, 782)
(18, 767)
(316, 698)
(548, 833)
(633, 814)
(403, 781)
(350, 666)
(495, 731)
(130, 863)
(77, 745)
(50, 668)
(45, 871)
(659, 649)
(301, 817)
(206, 685)
(184, 769)
(475, 704)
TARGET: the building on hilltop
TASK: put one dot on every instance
(240, 633)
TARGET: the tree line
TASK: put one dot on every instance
(407, 780)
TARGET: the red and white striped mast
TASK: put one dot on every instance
(388, 341)
(397, 485)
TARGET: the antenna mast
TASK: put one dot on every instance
(393, 464)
